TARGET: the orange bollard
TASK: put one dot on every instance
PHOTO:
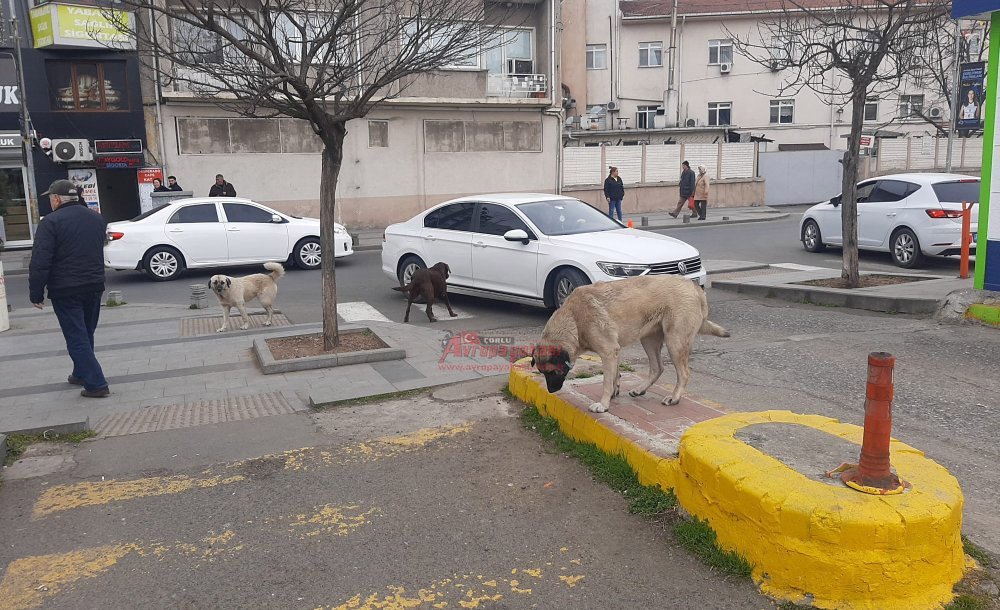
(873, 473)
(963, 269)
(630, 224)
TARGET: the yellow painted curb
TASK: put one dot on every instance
(811, 542)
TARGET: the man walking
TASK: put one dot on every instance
(68, 260)
(687, 187)
(221, 188)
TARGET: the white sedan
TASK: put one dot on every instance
(530, 248)
(215, 232)
(907, 215)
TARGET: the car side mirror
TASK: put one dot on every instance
(835, 201)
(277, 219)
(516, 235)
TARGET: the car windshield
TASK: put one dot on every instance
(567, 217)
(957, 192)
(149, 213)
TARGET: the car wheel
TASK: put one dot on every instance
(308, 254)
(409, 265)
(565, 282)
(812, 239)
(905, 249)
(163, 263)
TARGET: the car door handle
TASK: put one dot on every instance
(176, 230)
(233, 229)
(429, 237)
(480, 244)
(891, 214)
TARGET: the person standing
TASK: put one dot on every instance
(221, 188)
(158, 186)
(68, 259)
(686, 187)
(614, 192)
(701, 192)
(172, 184)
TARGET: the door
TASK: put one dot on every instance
(118, 193)
(877, 214)
(16, 222)
(253, 236)
(196, 231)
(500, 265)
(831, 224)
(446, 237)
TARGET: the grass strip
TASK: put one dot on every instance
(18, 443)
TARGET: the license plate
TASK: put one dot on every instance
(974, 237)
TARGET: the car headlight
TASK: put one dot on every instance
(623, 269)
(339, 230)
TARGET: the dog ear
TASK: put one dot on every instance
(229, 282)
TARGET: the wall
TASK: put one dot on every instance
(647, 164)
(807, 176)
(739, 192)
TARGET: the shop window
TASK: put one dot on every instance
(87, 86)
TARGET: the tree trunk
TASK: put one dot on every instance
(849, 200)
(333, 156)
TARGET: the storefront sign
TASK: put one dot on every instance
(146, 176)
(105, 147)
(10, 145)
(971, 91)
(9, 90)
(86, 184)
(68, 25)
(118, 161)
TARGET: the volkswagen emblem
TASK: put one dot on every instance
(682, 268)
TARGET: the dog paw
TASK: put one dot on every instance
(635, 394)
(671, 401)
(221, 329)
(244, 327)
(268, 323)
(454, 315)
(598, 408)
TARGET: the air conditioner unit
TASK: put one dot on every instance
(71, 151)
(935, 113)
(520, 66)
(693, 123)
(725, 67)
(612, 106)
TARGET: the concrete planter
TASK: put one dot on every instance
(270, 366)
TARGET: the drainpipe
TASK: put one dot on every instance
(157, 91)
(556, 109)
(27, 146)
(671, 107)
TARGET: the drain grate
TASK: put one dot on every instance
(194, 327)
(201, 413)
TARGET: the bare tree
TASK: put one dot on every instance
(322, 61)
(844, 51)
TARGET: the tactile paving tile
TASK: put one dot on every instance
(738, 275)
(201, 413)
(194, 327)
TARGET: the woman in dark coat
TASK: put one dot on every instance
(614, 192)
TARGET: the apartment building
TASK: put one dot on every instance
(617, 66)
(491, 124)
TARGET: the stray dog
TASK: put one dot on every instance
(236, 291)
(430, 284)
(607, 316)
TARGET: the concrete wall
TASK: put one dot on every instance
(663, 196)
(377, 185)
(807, 176)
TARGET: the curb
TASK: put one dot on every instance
(65, 428)
(808, 541)
(833, 297)
(3, 449)
(270, 366)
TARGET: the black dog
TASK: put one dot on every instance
(430, 284)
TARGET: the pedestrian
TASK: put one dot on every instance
(221, 188)
(68, 259)
(686, 186)
(173, 186)
(614, 192)
(158, 186)
(701, 192)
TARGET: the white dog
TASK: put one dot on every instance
(236, 291)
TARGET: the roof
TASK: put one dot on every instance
(638, 9)
(510, 198)
(927, 178)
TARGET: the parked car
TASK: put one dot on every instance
(907, 215)
(215, 232)
(530, 248)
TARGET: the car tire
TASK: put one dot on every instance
(308, 254)
(163, 263)
(812, 238)
(407, 266)
(564, 283)
(905, 249)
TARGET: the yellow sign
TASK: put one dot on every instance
(69, 25)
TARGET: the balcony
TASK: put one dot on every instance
(517, 85)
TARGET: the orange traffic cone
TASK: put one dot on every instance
(630, 224)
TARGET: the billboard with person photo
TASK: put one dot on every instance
(971, 86)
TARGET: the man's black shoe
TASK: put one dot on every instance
(96, 393)
(74, 380)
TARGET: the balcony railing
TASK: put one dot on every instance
(516, 85)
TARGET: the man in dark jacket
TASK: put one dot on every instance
(172, 184)
(68, 259)
(687, 187)
(221, 188)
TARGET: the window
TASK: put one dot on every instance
(863, 191)
(288, 34)
(957, 192)
(455, 217)
(197, 46)
(720, 113)
(203, 212)
(87, 86)
(497, 220)
(597, 57)
(650, 54)
(782, 112)
(434, 38)
(910, 106)
(378, 134)
(239, 212)
(871, 109)
(781, 51)
(515, 54)
(567, 217)
(891, 191)
(645, 116)
(720, 52)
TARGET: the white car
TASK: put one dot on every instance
(215, 232)
(529, 248)
(907, 215)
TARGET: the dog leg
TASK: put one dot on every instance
(243, 314)
(225, 319)
(609, 360)
(652, 344)
(406, 318)
(444, 297)
(679, 351)
(430, 313)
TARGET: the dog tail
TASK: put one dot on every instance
(402, 288)
(276, 269)
(711, 328)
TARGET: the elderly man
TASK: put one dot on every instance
(221, 188)
(68, 259)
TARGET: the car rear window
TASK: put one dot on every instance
(149, 213)
(957, 192)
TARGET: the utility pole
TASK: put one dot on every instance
(672, 108)
(26, 130)
(955, 99)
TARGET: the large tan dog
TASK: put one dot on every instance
(236, 291)
(607, 316)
